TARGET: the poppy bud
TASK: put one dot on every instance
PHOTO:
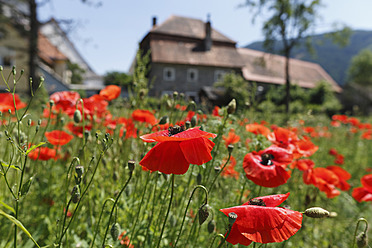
(131, 164)
(217, 169)
(191, 106)
(79, 170)
(29, 122)
(362, 240)
(199, 179)
(51, 103)
(232, 217)
(316, 212)
(26, 186)
(114, 231)
(62, 121)
(193, 121)
(203, 214)
(231, 107)
(164, 120)
(230, 148)
(14, 70)
(187, 124)
(77, 116)
(86, 134)
(75, 194)
(211, 226)
(37, 128)
(175, 95)
(39, 122)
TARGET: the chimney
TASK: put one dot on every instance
(153, 21)
(208, 35)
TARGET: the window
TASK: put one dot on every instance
(192, 95)
(192, 75)
(169, 74)
(218, 75)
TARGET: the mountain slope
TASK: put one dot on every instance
(333, 58)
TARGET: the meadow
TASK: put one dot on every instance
(107, 171)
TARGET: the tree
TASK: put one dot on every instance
(360, 70)
(117, 78)
(289, 21)
(76, 73)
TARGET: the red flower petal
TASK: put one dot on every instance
(272, 200)
(361, 194)
(235, 237)
(188, 134)
(57, 137)
(197, 151)
(166, 157)
(110, 92)
(367, 182)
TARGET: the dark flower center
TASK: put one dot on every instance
(266, 159)
(257, 202)
(175, 130)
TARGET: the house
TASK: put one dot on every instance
(188, 54)
(55, 52)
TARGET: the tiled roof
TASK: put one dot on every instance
(187, 53)
(269, 68)
(188, 27)
(47, 51)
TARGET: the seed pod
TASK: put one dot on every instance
(230, 148)
(362, 240)
(131, 164)
(232, 217)
(203, 214)
(316, 212)
(114, 231)
(26, 186)
(231, 107)
(211, 226)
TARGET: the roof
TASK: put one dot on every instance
(269, 68)
(163, 51)
(188, 27)
(47, 51)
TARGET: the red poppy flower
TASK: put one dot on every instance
(303, 164)
(78, 130)
(343, 176)
(257, 129)
(284, 138)
(324, 179)
(339, 159)
(177, 149)
(259, 220)
(110, 92)
(364, 193)
(144, 116)
(267, 168)
(367, 135)
(232, 138)
(57, 137)
(305, 148)
(216, 111)
(42, 153)
(65, 99)
(6, 102)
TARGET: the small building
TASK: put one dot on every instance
(188, 54)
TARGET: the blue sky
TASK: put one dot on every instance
(108, 36)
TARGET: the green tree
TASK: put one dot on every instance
(360, 70)
(77, 73)
(288, 21)
(117, 78)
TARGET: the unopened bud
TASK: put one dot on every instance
(79, 170)
(362, 240)
(51, 103)
(114, 231)
(203, 213)
(187, 124)
(193, 121)
(164, 120)
(75, 194)
(175, 95)
(39, 122)
(231, 107)
(217, 169)
(232, 217)
(29, 122)
(316, 212)
(211, 226)
(77, 116)
(191, 106)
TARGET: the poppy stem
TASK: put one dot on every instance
(99, 220)
(218, 235)
(356, 228)
(113, 207)
(166, 216)
(215, 178)
(227, 235)
(184, 216)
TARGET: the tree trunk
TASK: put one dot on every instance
(33, 40)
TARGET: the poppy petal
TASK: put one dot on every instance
(272, 200)
(235, 237)
(188, 134)
(197, 151)
(367, 182)
(166, 157)
(361, 194)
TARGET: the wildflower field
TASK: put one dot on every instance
(104, 171)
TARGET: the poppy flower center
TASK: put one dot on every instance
(257, 202)
(175, 130)
(266, 159)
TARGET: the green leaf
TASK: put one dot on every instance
(7, 207)
(34, 147)
(26, 187)
(11, 166)
(20, 225)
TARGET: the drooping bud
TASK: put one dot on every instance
(77, 116)
(230, 148)
(316, 212)
(191, 106)
(114, 231)
(232, 217)
(75, 194)
(362, 240)
(211, 226)
(79, 170)
(203, 213)
(231, 107)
